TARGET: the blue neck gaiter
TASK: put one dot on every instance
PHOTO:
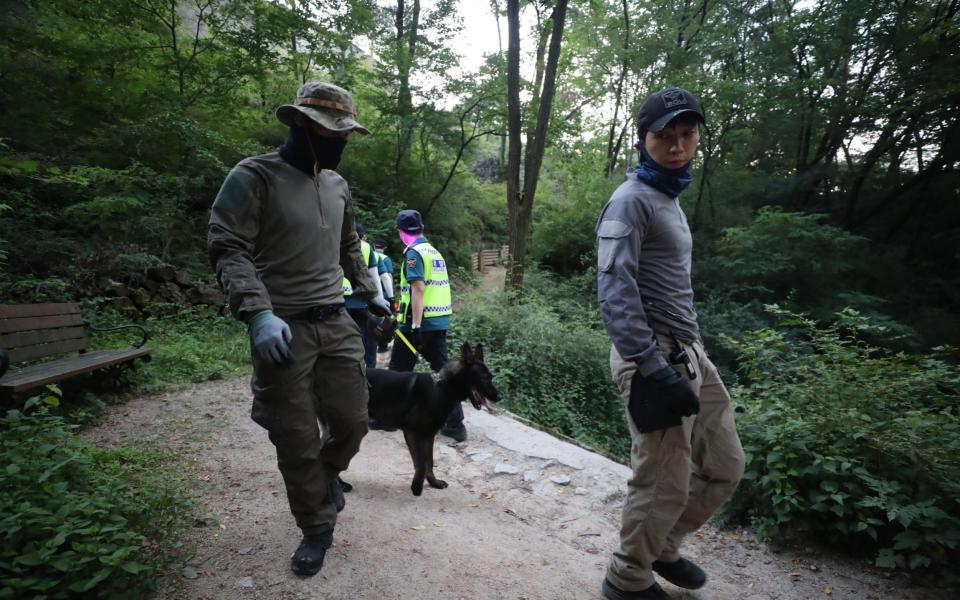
(669, 181)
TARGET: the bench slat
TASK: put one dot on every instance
(51, 349)
(48, 322)
(14, 311)
(20, 379)
(41, 336)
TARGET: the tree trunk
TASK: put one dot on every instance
(513, 133)
(520, 207)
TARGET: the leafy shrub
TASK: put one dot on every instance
(77, 520)
(550, 363)
(849, 444)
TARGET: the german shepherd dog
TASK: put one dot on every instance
(418, 404)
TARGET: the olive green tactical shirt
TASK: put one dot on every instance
(280, 240)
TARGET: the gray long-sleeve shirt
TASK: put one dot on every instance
(281, 240)
(644, 250)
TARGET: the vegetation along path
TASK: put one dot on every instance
(525, 516)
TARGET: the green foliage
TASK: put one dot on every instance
(194, 345)
(77, 520)
(551, 364)
(848, 444)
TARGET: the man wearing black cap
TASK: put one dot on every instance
(425, 309)
(686, 455)
(281, 237)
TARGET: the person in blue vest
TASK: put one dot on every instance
(385, 267)
(425, 308)
(356, 306)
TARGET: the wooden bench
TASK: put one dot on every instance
(31, 331)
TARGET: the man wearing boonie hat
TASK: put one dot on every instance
(685, 453)
(282, 238)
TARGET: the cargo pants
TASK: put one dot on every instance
(681, 475)
(326, 387)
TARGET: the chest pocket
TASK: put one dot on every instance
(611, 237)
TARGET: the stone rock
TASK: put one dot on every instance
(580, 491)
(560, 479)
(182, 278)
(505, 469)
(170, 292)
(125, 306)
(245, 582)
(205, 294)
(530, 475)
(140, 280)
(480, 456)
(547, 463)
(114, 288)
(140, 297)
(162, 274)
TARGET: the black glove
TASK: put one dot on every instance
(658, 400)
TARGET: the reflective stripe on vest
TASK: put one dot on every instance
(436, 292)
(365, 250)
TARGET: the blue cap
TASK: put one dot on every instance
(664, 106)
(410, 221)
(361, 230)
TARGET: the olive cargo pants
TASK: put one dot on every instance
(326, 385)
(681, 475)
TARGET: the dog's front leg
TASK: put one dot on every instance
(419, 463)
(427, 450)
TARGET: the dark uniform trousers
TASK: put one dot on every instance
(325, 386)
(435, 351)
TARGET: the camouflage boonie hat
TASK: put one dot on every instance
(329, 105)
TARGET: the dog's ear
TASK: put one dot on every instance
(478, 352)
(466, 353)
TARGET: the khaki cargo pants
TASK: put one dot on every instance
(681, 475)
(325, 386)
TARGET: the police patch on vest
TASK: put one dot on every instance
(411, 262)
(439, 265)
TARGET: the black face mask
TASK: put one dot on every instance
(303, 149)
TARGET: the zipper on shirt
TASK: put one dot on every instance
(316, 186)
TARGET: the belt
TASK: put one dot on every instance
(316, 313)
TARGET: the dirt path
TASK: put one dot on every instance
(526, 516)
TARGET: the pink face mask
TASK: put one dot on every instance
(408, 238)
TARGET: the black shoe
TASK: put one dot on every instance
(346, 487)
(375, 424)
(336, 492)
(458, 433)
(308, 558)
(612, 592)
(681, 573)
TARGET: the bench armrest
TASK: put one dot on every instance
(144, 333)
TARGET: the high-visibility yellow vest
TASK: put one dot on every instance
(437, 301)
(365, 250)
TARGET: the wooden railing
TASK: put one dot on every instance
(489, 257)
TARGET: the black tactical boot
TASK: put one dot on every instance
(457, 433)
(308, 558)
(336, 493)
(612, 592)
(681, 573)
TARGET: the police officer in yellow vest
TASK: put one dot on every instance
(357, 307)
(425, 308)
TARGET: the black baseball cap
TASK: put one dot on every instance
(409, 220)
(380, 244)
(361, 230)
(664, 106)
